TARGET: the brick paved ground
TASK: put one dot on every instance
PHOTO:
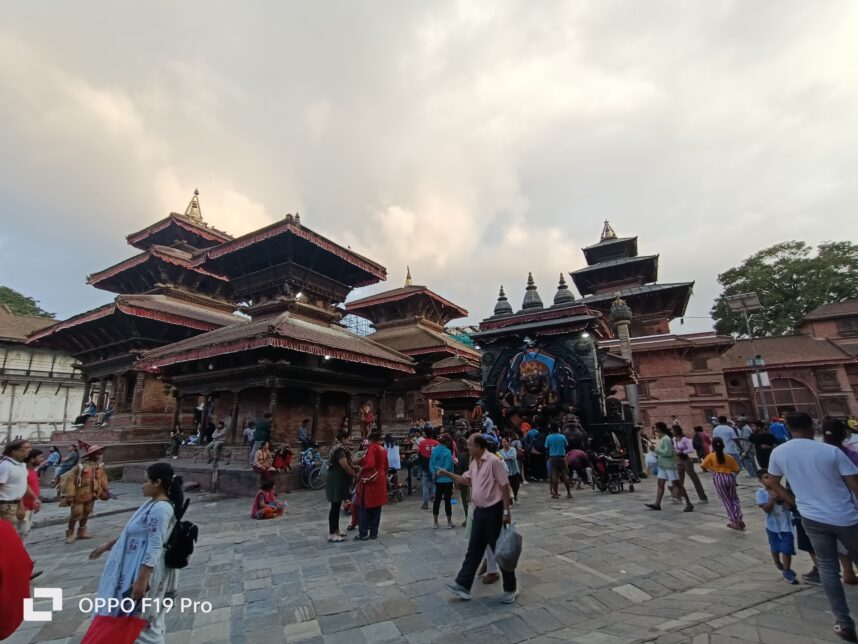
(600, 569)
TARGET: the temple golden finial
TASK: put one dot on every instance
(193, 210)
(408, 280)
(608, 232)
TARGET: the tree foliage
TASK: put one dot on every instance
(21, 304)
(790, 280)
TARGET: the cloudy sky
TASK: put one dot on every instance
(474, 141)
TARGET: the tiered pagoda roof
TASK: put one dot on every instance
(412, 320)
(291, 280)
(614, 269)
(129, 325)
(162, 296)
(187, 230)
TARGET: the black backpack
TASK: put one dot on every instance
(180, 544)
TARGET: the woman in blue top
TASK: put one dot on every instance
(442, 459)
(136, 567)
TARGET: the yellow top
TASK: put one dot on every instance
(711, 464)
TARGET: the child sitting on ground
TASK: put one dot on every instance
(265, 504)
(779, 529)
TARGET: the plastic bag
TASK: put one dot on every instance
(508, 548)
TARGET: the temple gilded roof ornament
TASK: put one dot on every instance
(503, 307)
(193, 210)
(408, 280)
(531, 295)
(563, 295)
(608, 232)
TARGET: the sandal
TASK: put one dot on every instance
(336, 539)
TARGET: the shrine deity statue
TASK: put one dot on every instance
(528, 383)
(367, 419)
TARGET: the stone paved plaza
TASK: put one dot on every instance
(599, 569)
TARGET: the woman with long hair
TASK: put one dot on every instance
(667, 469)
(509, 454)
(339, 483)
(136, 566)
(724, 468)
(263, 462)
(442, 459)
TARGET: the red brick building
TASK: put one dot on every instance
(696, 376)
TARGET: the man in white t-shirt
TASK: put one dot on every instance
(13, 479)
(746, 448)
(727, 434)
(825, 484)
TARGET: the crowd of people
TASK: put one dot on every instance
(807, 494)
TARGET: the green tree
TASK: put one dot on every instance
(21, 304)
(790, 280)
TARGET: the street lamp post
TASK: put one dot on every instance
(747, 303)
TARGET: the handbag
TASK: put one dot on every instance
(106, 629)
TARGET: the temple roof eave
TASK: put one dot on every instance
(679, 291)
(372, 271)
(187, 224)
(363, 307)
(283, 332)
(157, 253)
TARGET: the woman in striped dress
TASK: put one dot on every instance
(724, 468)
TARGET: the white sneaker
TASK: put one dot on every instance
(459, 591)
(509, 598)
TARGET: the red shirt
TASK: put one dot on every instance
(33, 482)
(426, 447)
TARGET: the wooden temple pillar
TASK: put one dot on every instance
(233, 432)
(178, 410)
(102, 390)
(272, 406)
(378, 401)
(317, 404)
(349, 402)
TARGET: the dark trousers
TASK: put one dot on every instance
(443, 491)
(334, 517)
(486, 525)
(536, 467)
(368, 520)
(514, 483)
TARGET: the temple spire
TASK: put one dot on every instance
(408, 280)
(503, 307)
(608, 232)
(531, 296)
(563, 295)
(193, 210)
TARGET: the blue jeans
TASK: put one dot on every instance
(428, 487)
(750, 465)
(368, 521)
(824, 539)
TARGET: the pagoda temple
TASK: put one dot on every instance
(545, 361)
(162, 297)
(614, 269)
(412, 320)
(290, 356)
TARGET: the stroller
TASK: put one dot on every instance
(612, 474)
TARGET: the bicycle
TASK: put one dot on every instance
(315, 477)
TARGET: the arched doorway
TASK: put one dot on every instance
(789, 395)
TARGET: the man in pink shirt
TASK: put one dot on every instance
(490, 499)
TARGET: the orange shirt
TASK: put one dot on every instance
(711, 464)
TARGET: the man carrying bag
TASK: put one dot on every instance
(490, 500)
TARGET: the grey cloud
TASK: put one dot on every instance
(473, 141)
